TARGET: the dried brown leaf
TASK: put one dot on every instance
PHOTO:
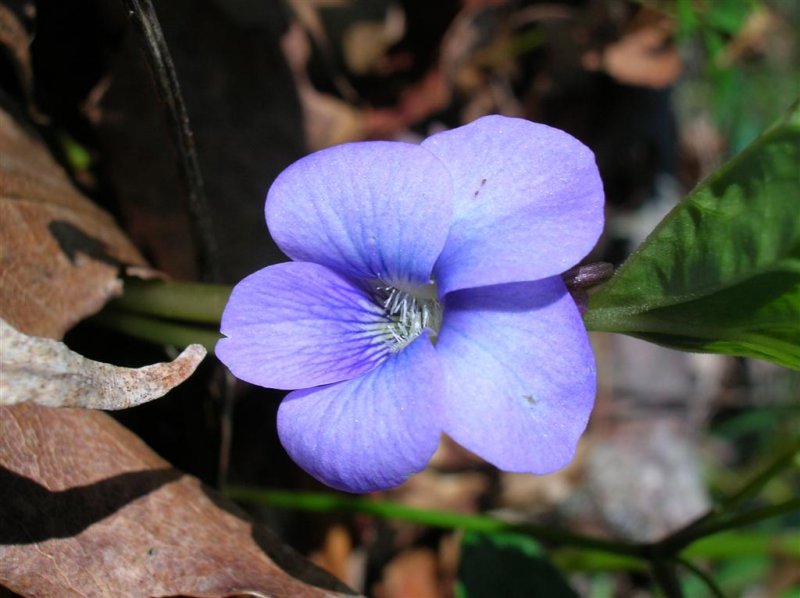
(429, 95)
(15, 38)
(365, 43)
(335, 554)
(88, 510)
(46, 372)
(760, 29)
(643, 57)
(328, 120)
(414, 573)
(309, 19)
(60, 255)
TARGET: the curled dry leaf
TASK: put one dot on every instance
(60, 255)
(47, 372)
(88, 510)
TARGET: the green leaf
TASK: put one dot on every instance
(721, 273)
(740, 543)
(687, 20)
(507, 564)
(728, 16)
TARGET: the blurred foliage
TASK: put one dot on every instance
(742, 58)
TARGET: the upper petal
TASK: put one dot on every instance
(528, 202)
(297, 325)
(520, 374)
(375, 209)
(372, 432)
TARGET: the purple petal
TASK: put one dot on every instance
(297, 325)
(520, 374)
(371, 210)
(370, 433)
(528, 202)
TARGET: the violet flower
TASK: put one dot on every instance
(424, 297)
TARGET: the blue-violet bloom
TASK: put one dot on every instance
(425, 296)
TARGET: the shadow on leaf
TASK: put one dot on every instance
(32, 513)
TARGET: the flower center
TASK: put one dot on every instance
(408, 312)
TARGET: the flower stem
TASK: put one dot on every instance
(708, 581)
(720, 518)
(156, 331)
(749, 517)
(325, 502)
(666, 577)
(187, 301)
(784, 460)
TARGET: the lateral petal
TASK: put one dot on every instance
(297, 325)
(520, 374)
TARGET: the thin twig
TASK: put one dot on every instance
(709, 582)
(144, 16)
(155, 330)
(199, 303)
(666, 578)
(750, 489)
(720, 518)
(227, 385)
(753, 516)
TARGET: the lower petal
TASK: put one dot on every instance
(520, 374)
(373, 432)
